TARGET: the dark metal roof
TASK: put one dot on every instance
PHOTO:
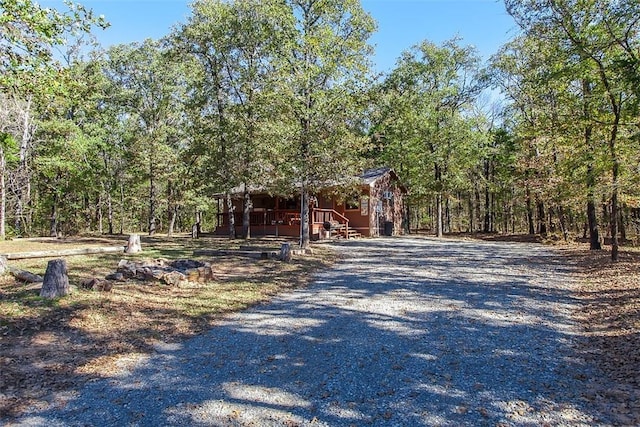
(368, 177)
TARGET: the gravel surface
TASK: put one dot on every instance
(401, 332)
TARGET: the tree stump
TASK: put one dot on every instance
(285, 252)
(56, 281)
(3, 265)
(133, 245)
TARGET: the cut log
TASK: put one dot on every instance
(285, 252)
(25, 276)
(63, 252)
(133, 245)
(56, 281)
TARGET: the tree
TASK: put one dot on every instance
(232, 46)
(425, 122)
(597, 39)
(323, 71)
(29, 35)
(152, 108)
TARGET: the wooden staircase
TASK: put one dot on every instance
(336, 223)
(341, 231)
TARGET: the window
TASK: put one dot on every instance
(352, 203)
(264, 202)
(289, 204)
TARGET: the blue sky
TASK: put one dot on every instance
(401, 23)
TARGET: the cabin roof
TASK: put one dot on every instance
(368, 177)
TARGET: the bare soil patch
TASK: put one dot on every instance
(51, 347)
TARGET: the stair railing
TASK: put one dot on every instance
(332, 213)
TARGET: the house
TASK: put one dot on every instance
(376, 208)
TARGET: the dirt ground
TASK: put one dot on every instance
(51, 348)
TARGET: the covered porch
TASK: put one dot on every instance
(276, 216)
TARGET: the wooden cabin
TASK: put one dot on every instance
(375, 209)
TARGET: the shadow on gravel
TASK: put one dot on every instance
(401, 332)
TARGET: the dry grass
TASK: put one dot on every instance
(52, 346)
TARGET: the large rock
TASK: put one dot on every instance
(97, 285)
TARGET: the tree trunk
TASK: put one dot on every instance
(592, 215)
(246, 215)
(99, 214)
(305, 234)
(622, 225)
(487, 199)
(110, 213)
(173, 216)
(447, 216)
(478, 208)
(121, 208)
(542, 218)
(53, 219)
(232, 220)
(439, 222)
(56, 281)
(23, 187)
(615, 171)
(471, 214)
(152, 198)
(3, 196)
(198, 225)
(614, 222)
(530, 214)
(563, 223)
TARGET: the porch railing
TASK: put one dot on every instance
(267, 217)
(286, 217)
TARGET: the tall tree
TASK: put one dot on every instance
(29, 35)
(424, 124)
(324, 68)
(152, 106)
(592, 34)
(232, 46)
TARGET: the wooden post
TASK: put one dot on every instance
(56, 281)
(133, 245)
(285, 252)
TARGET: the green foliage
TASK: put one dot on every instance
(425, 120)
(9, 147)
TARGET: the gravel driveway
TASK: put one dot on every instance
(403, 331)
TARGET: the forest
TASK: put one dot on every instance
(282, 94)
